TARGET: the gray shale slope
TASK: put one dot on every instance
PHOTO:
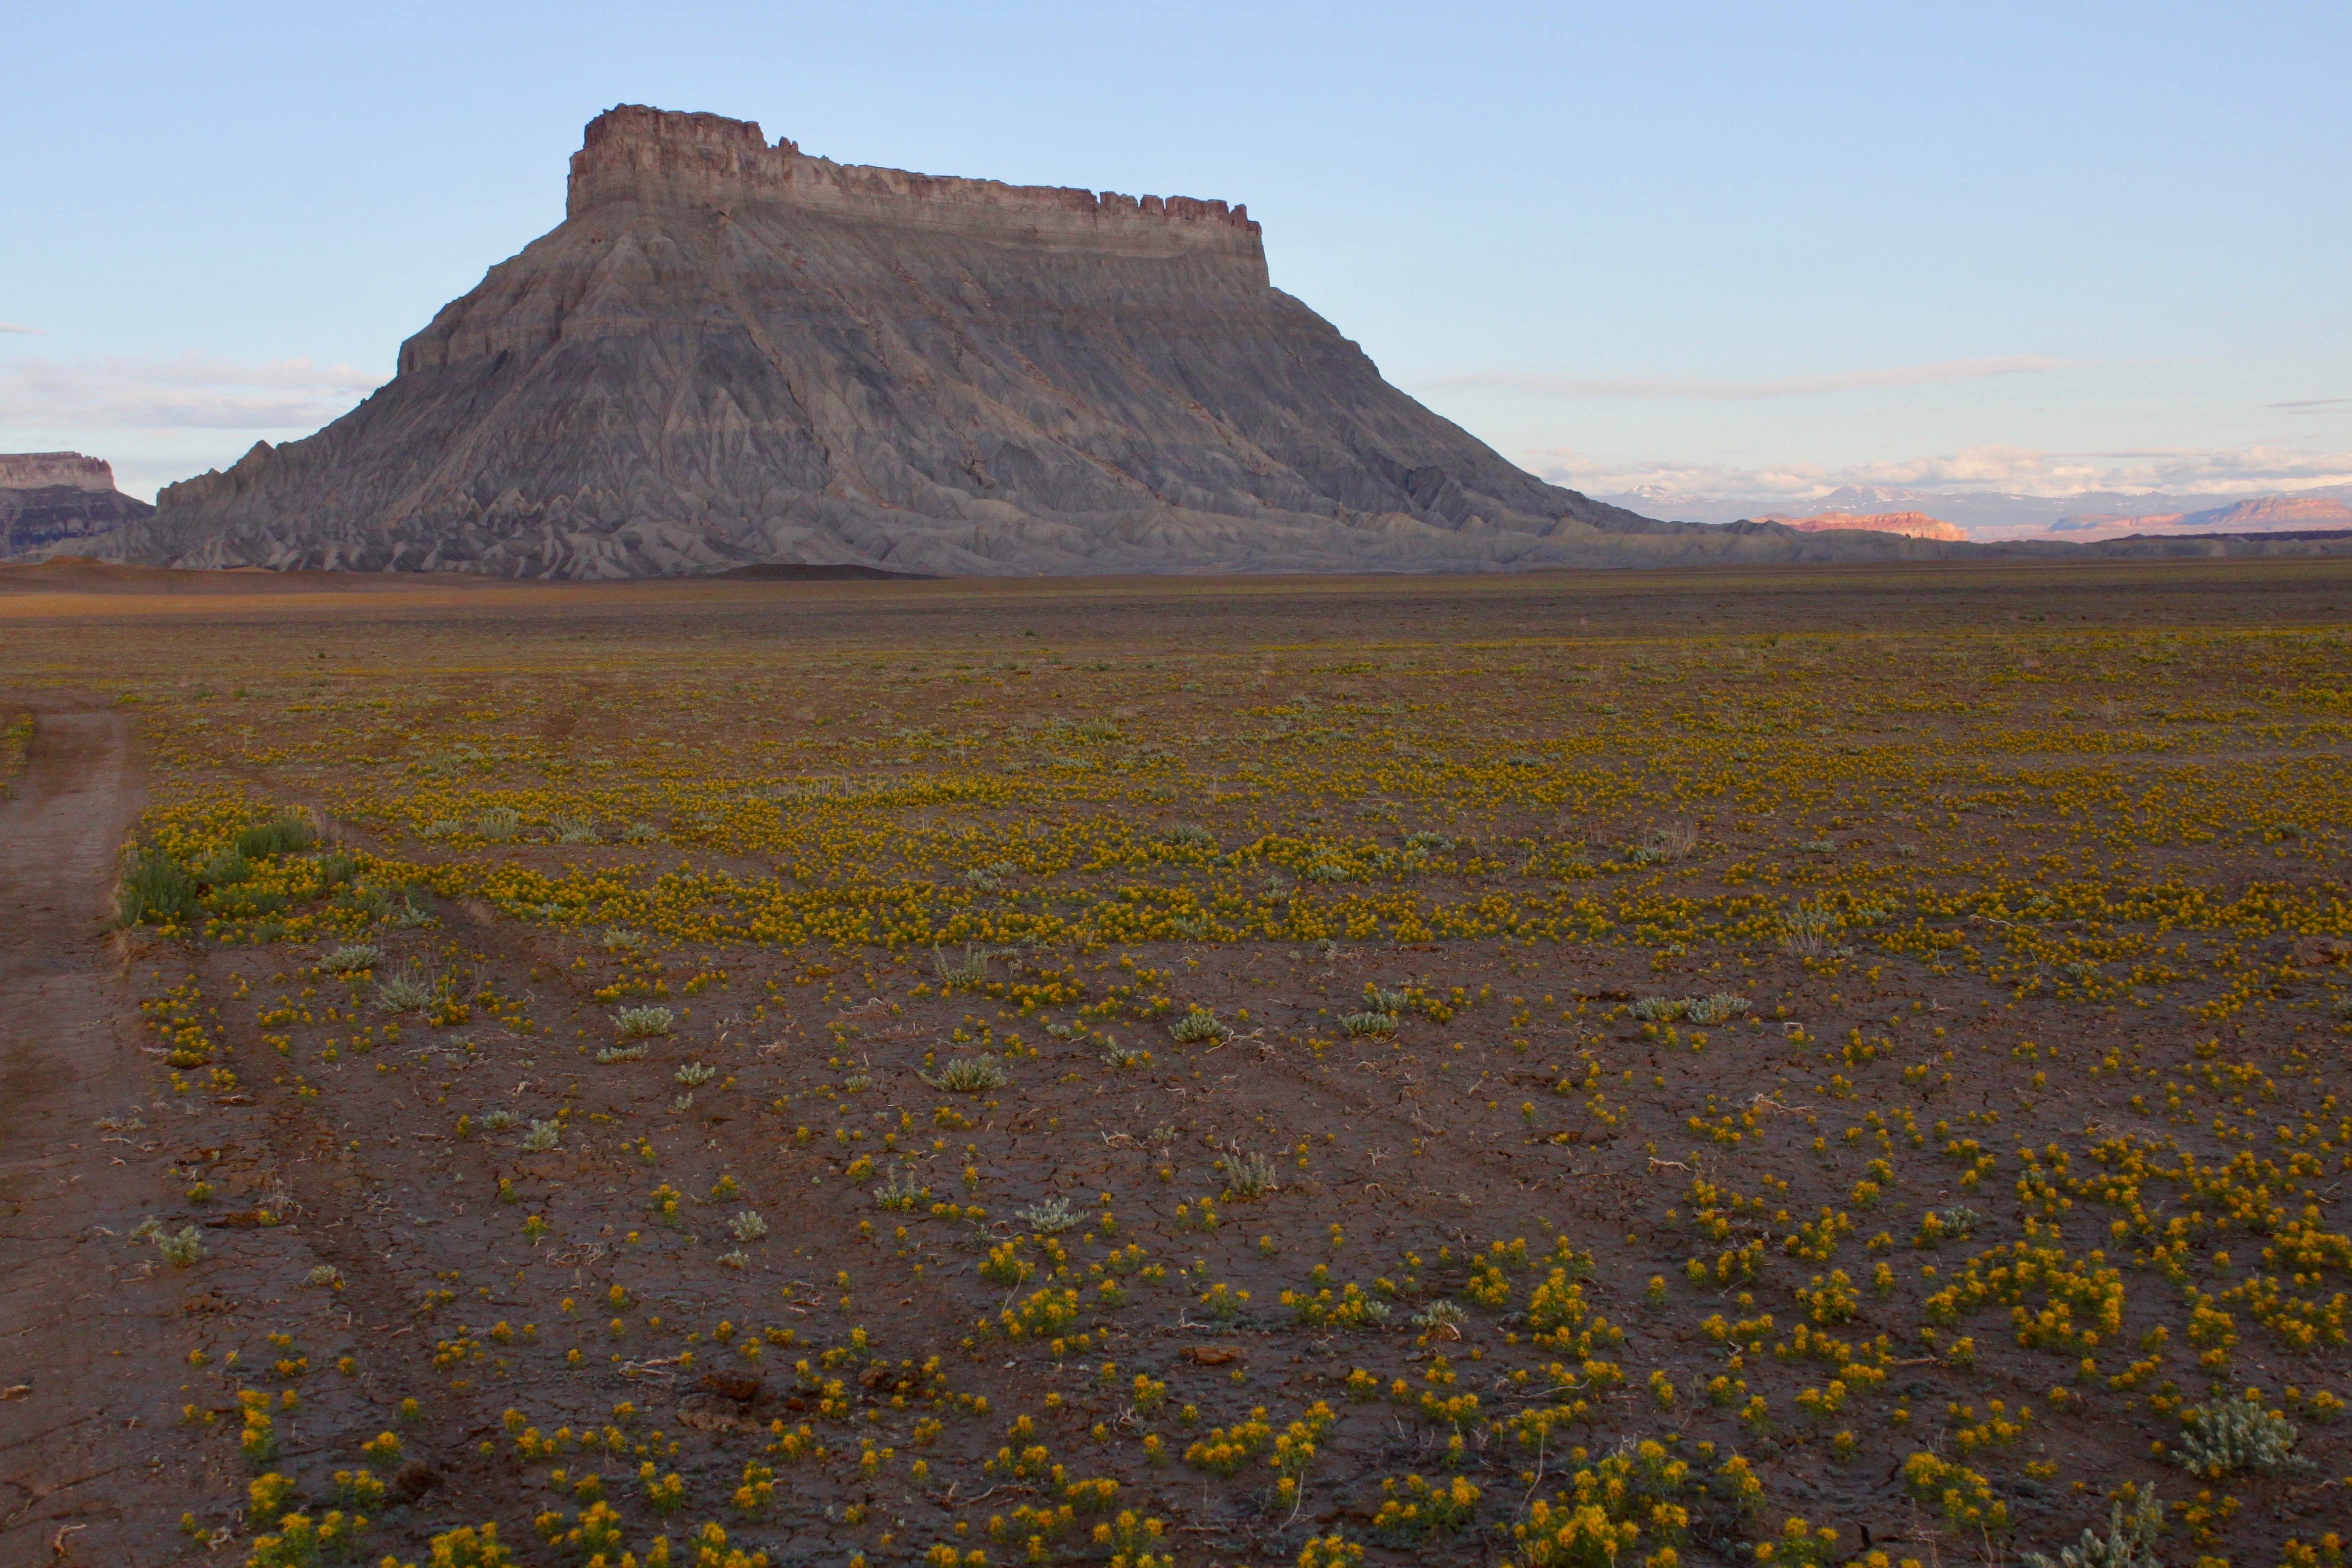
(730, 354)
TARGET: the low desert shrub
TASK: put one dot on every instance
(2129, 1542)
(1049, 1217)
(1414, 1511)
(225, 869)
(1720, 1008)
(1250, 1176)
(1199, 1023)
(973, 970)
(968, 1074)
(288, 835)
(900, 1192)
(1806, 930)
(155, 890)
(182, 1248)
(2235, 1435)
(403, 993)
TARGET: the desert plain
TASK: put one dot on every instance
(1793, 1066)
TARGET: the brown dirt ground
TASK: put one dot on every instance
(1453, 1136)
(85, 1326)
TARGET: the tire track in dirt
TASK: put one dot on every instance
(90, 1471)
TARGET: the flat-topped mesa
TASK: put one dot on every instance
(58, 501)
(729, 353)
(54, 470)
(655, 157)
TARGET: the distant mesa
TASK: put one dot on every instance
(733, 353)
(2280, 512)
(2002, 517)
(55, 471)
(1910, 524)
(2263, 514)
(53, 502)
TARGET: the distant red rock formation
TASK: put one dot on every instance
(2261, 515)
(1916, 524)
(2279, 512)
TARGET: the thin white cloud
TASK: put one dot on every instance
(2009, 470)
(195, 392)
(1686, 387)
(28, 331)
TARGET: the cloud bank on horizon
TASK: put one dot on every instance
(142, 411)
(160, 419)
(192, 392)
(2006, 470)
(1983, 468)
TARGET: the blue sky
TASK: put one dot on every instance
(1718, 249)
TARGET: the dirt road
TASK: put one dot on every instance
(90, 1471)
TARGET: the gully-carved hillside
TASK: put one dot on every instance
(732, 353)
